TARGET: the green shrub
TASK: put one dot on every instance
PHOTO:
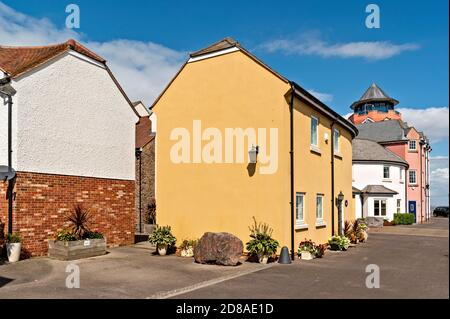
(93, 235)
(339, 243)
(162, 235)
(65, 235)
(403, 219)
(13, 238)
(261, 242)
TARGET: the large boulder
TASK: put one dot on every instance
(374, 221)
(218, 248)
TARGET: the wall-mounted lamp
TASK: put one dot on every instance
(253, 154)
(339, 199)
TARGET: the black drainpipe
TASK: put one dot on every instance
(332, 178)
(139, 157)
(11, 182)
(291, 153)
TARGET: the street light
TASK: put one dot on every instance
(6, 93)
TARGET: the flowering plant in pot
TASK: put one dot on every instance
(308, 250)
(261, 243)
(187, 247)
(13, 247)
(163, 239)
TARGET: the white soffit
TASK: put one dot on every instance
(213, 54)
(86, 58)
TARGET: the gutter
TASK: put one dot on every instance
(291, 154)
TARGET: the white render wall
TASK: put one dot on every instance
(73, 120)
(372, 174)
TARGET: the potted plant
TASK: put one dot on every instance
(150, 217)
(350, 231)
(339, 243)
(261, 243)
(361, 230)
(13, 247)
(187, 247)
(163, 239)
(78, 241)
(307, 250)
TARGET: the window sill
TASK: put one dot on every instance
(321, 223)
(413, 185)
(338, 155)
(315, 149)
(402, 182)
(387, 180)
(413, 151)
(301, 226)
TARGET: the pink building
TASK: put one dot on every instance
(378, 121)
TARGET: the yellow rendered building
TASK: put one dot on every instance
(222, 106)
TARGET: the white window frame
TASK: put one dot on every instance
(388, 171)
(319, 219)
(336, 141)
(300, 222)
(415, 177)
(401, 175)
(409, 145)
(314, 144)
(380, 200)
(399, 205)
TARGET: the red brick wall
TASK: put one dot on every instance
(43, 201)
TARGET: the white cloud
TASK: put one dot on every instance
(311, 44)
(324, 97)
(142, 68)
(439, 183)
(433, 121)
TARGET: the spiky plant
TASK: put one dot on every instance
(79, 218)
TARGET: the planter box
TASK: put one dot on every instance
(306, 255)
(70, 250)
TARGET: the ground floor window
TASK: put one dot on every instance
(319, 207)
(300, 213)
(380, 207)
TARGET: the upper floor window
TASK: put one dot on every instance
(401, 175)
(336, 139)
(314, 131)
(412, 145)
(412, 177)
(386, 172)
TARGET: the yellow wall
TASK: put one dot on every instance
(231, 91)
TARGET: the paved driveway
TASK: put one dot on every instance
(411, 266)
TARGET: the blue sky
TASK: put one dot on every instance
(309, 42)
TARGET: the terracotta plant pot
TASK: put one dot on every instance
(187, 252)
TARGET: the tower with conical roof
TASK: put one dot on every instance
(374, 106)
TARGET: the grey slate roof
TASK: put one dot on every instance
(370, 151)
(356, 190)
(384, 131)
(378, 189)
(374, 94)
